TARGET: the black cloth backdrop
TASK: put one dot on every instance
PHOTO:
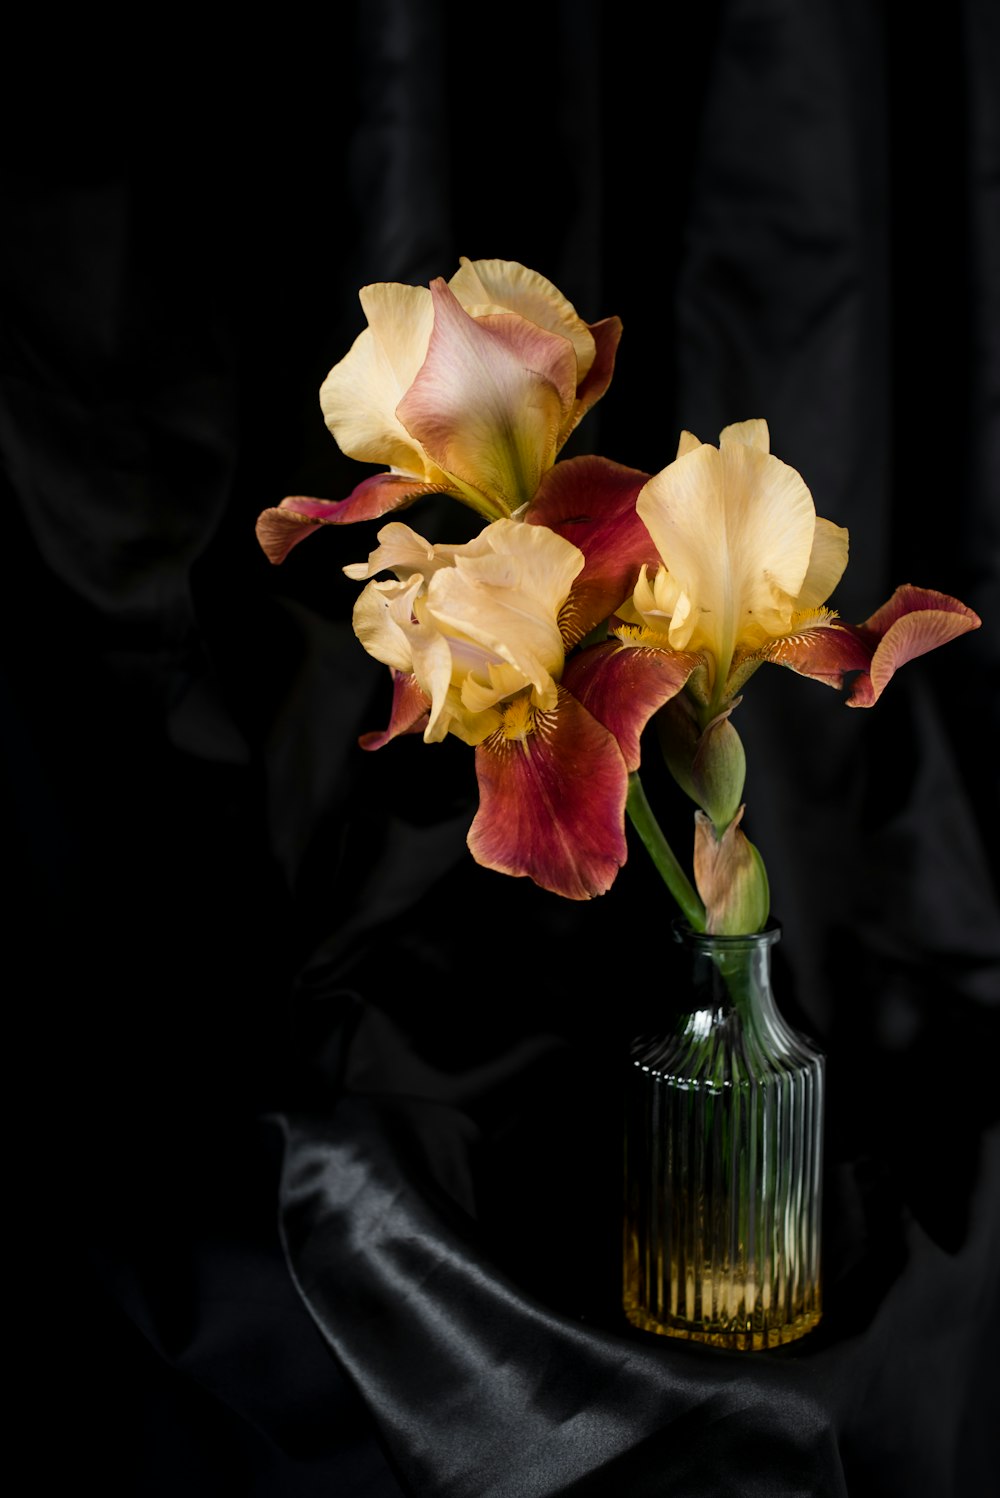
(321, 1190)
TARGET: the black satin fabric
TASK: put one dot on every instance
(321, 1134)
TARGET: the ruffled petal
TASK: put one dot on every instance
(552, 790)
(409, 712)
(382, 622)
(504, 594)
(913, 621)
(591, 502)
(623, 685)
(403, 551)
(489, 401)
(282, 528)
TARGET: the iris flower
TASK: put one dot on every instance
(745, 569)
(469, 387)
(477, 637)
(742, 572)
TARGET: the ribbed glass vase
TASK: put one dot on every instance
(723, 1159)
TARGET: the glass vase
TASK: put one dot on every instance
(723, 1159)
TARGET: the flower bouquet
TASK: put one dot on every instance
(596, 599)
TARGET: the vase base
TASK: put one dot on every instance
(746, 1338)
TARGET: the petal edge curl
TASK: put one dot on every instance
(410, 709)
(281, 528)
(912, 622)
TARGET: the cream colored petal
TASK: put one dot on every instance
(470, 726)
(489, 401)
(666, 594)
(504, 681)
(508, 598)
(750, 433)
(484, 286)
(826, 564)
(360, 394)
(687, 444)
(432, 666)
(655, 598)
(644, 597)
(382, 622)
(735, 529)
(403, 551)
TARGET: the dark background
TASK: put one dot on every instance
(225, 916)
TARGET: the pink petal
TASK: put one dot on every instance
(410, 710)
(914, 621)
(490, 399)
(591, 502)
(552, 803)
(606, 335)
(279, 529)
(624, 685)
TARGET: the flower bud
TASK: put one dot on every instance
(731, 878)
(719, 772)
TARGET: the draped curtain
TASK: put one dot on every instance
(322, 1119)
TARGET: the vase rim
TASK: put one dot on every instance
(687, 936)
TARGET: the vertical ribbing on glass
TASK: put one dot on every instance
(723, 1162)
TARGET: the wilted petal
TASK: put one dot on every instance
(622, 686)
(297, 517)
(591, 502)
(552, 790)
(913, 621)
(489, 400)
(731, 880)
(409, 712)
(360, 395)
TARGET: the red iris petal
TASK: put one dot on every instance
(552, 803)
(624, 685)
(410, 708)
(591, 502)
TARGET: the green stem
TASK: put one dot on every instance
(660, 851)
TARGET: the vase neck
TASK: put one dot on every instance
(730, 974)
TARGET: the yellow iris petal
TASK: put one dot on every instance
(476, 624)
(742, 549)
